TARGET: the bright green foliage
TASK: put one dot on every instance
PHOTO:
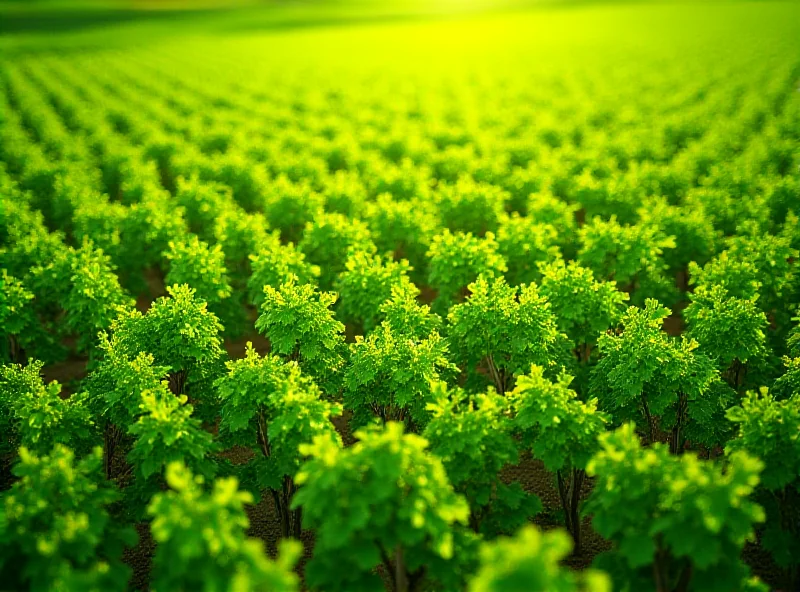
(165, 432)
(117, 383)
(685, 520)
(530, 562)
(404, 228)
(389, 375)
(504, 328)
(770, 429)
(240, 234)
(55, 529)
(94, 297)
(545, 208)
(645, 374)
(289, 207)
(327, 241)
(561, 431)
(728, 329)
(194, 262)
(472, 436)
(340, 489)
(366, 283)
(739, 277)
(629, 255)
(695, 237)
(773, 259)
(470, 207)
(35, 416)
(458, 259)
(267, 406)
(525, 243)
(274, 264)
(408, 317)
(584, 307)
(178, 331)
(297, 320)
(202, 543)
(17, 319)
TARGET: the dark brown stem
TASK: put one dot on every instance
(16, 351)
(177, 382)
(685, 579)
(651, 435)
(400, 575)
(499, 383)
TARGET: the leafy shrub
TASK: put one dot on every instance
(202, 543)
(385, 468)
(56, 532)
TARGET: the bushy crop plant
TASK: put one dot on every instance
(560, 430)
(685, 521)
(267, 406)
(501, 330)
(473, 436)
(770, 429)
(412, 539)
(646, 375)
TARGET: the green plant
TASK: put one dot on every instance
(685, 520)
(472, 435)
(178, 331)
(505, 328)
(366, 283)
(56, 532)
(530, 562)
(328, 239)
(202, 267)
(584, 307)
(297, 320)
(770, 429)
(389, 375)
(34, 415)
(728, 329)
(560, 430)
(458, 259)
(267, 406)
(382, 502)
(273, 264)
(645, 374)
(17, 319)
(202, 543)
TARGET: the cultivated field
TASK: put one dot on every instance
(412, 296)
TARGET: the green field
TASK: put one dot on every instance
(457, 294)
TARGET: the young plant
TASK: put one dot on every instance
(297, 320)
(366, 283)
(202, 542)
(562, 432)
(385, 501)
(389, 375)
(35, 415)
(328, 239)
(685, 521)
(472, 435)
(273, 265)
(728, 329)
(504, 329)
(630, 255)
(646, 374)
(531, 562)
(526, 244)
(584, 307)
(469, 206)
(18, 322)
(178, 331)
(56, 532)
(457, 260)
(267, 406)
(770, 429)
(195, 263)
